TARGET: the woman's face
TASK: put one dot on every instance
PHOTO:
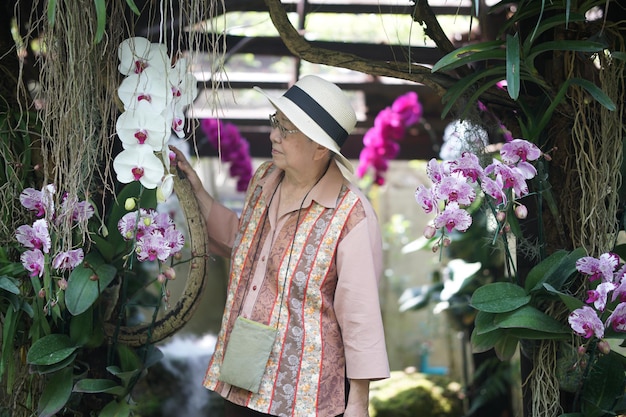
(290, 147)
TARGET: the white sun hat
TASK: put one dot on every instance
(320, 110)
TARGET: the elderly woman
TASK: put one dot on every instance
(305, 265)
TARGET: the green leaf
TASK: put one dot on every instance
(557, 271)
(595, 91)
(528, 317)
(9, 284)
(537, 275)
(499, 297)
(50, 349)
(619, 55)
(115, 409)
(101, 19)
(551, 22)
(56, 393)
(92, 386)
(484, 322)
(82, 291)
(603, 387)
(486, 341)
(48, 369)
(81, 327)
(506, 346)
(470, 53)
(512, 66)
(52, 5)
(133, 7)
(562, 45)
(451, 96)
(571, 302)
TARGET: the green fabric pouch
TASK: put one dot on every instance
(247, 353)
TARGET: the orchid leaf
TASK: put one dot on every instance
(93, 386)
(595, 91)
(512, 66)
(50, 349)
(562, 45)
(52, 7)
(554, 270)
(116, 409)
(82, 289)
(452, 96)
(465, 53)
(499, 297)
(619, 55)
(603, 387)
(506, 346)
(554, 21)
(571, 302)
(56, 393)
(101, 18)
(133, 7)
(528, 317)
(486, 341)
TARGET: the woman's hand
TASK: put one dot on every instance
(184, 167)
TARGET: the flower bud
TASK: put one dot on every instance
(582, 350)
(500, 216)
(521, 211)
(94, 277)
(178, 256)
(130, 204)
(62, 283)
(435, 248)
(41, 293)
(161, 278)
(429, 232)
(446, 242)
(604, 347)
(169, 272)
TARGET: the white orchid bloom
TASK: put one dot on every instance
(177, 121)
(142, 127)
(150, 86)
(138, 164)
(136, 54)
(165, 189)
(183, 83)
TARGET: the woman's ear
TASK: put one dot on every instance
(322, 152)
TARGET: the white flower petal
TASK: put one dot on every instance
(140, 127)
(138, 164)
(133, 55)
(150, 86)
(165, 189)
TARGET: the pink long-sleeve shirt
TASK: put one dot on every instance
(324, 271)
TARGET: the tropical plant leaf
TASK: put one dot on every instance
(92, 386)
(133, 7)
(101, 19)
(571, 302)
(9, 284)
(453, 94)
(116, 409)
(562, 45)
(50, 349)
(82, 291)
(56, 393)
(512, 66)
(470, 53)
(499, 297)
(506, 346)
(596, 92)
(551, 22)
(486, 341)
(603, 387)
(52, 6)
(528, 317)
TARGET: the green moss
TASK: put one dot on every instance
(415, 394)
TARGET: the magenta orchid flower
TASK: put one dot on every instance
(425, 198)
(39, 201)
(453, 217)
(33, 261)
(68, 260)
(617, 319)
(455, 189)
(36, 236)
(585, 322)
(152, 246)
(519, 150)
(598, 268)
(599, 296)
(469, 165)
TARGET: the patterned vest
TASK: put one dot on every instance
(305, 374)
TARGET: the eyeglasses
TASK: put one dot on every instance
(276, 124)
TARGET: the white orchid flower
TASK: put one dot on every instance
(138, 163)
(165, 189)
(183, 83)
(150, 86)
(142, 127)
(136, 54)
